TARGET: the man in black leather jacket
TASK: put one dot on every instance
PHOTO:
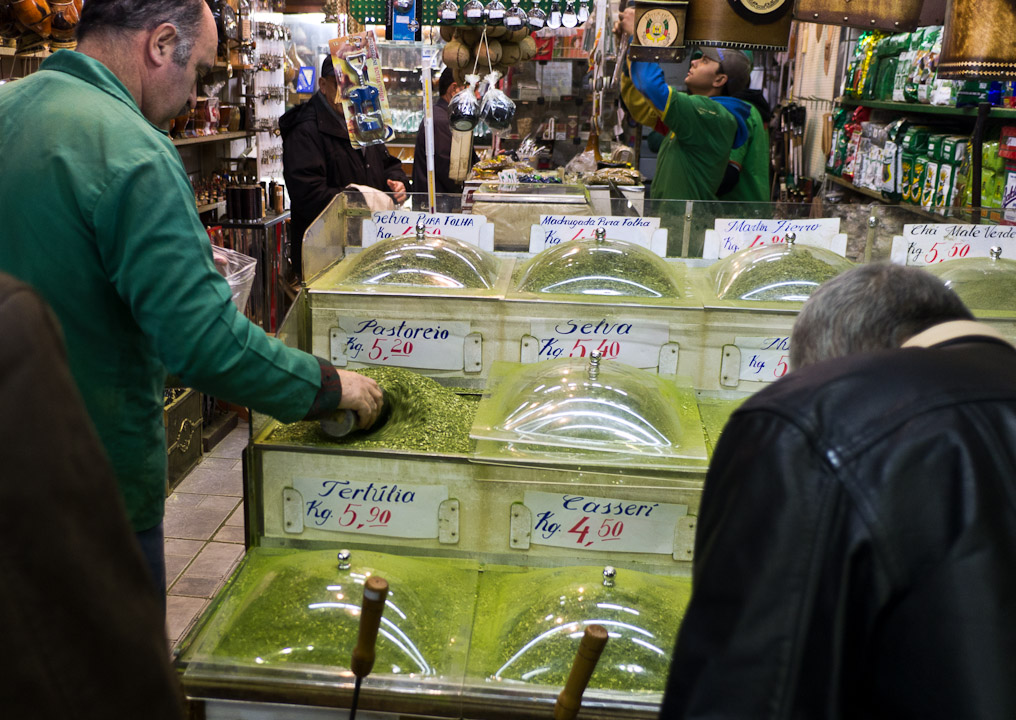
(856, 546)
(319, 161)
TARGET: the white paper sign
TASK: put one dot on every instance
(391, 509)
(556, 229)
(581, 522)
(763, 359)
(633, 343)
(472, 229)
(421, 344)
(730, 235)
(932, 243)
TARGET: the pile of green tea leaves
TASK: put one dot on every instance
(792, 277)
(424, 417)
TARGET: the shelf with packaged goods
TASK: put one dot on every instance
(218, 137)
(211, 206)
(40, 53)
(918, 108)
(875, 195)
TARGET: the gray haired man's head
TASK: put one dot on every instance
(126, 16)
(868, 308)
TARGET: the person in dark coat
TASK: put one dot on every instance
(443, 185)
(81, 623)
(856, 540)
(319, 162)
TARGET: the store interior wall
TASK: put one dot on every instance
(816, 84)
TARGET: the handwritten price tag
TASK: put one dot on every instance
(473, 229)
(731, 235)
(763, 359)
(556, 229)
(636, 344)
(389, 509)
(580, 522)
(930, 244)
(422, 344)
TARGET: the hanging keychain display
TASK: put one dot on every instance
(473, 12)
(361, 88)
(515, 18)
(537, 16)
(569, 18)
(448, 12)
(554, 20)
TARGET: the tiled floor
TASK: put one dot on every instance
(204, 532)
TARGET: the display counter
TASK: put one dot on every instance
(540, 468)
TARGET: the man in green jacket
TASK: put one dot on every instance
(99, 216)
(701, 126)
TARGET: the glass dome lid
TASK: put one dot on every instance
(587, 407)
(782, 272)
(535, 641)
(600, 266)
(289, 607)
(982, 283)
(421, 260)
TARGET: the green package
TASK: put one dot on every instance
(917, 179)
(930, 184)
(953, 149)
(935, 146)
(944, 193)
(915, 140)
(907, 163)
(972, 92)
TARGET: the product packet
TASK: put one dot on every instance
(358, 70)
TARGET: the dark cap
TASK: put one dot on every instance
(733, 63)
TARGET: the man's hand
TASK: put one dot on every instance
(361, 395)
(626, 22)
(398, 189)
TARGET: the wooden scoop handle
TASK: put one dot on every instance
(570, 699)
(375, 592)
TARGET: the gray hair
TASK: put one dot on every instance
(871, 307)
(126, 16)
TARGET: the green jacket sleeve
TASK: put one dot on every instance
(698, 120)
(157, 253)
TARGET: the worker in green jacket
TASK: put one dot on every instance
(702, 126)
(99, 216)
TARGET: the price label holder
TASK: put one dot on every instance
(387, 509)
(729, 235)
(754, 359)
(473, 229)
(416, 344)
(585, 523)
(556, 229)
(639, 344)
(932, 243)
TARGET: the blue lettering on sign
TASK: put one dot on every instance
(578, 503)
(544, 526)
(601, 327)
(373, 327)
(778, 343)
(550, 348)
(317, 513)
(368, 493)
(756, 363)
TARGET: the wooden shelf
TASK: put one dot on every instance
(921, 109)
(218, 137)
(40, 53)
(955, 213)
(211, 206)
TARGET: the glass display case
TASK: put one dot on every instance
(510, 472)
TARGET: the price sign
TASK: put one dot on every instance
(581, 522)
(933, 243)
(472, 229)
(731, 235)
(763, 359)
(422, 344)
(636, 344)
(556, 229)
(371, 508)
